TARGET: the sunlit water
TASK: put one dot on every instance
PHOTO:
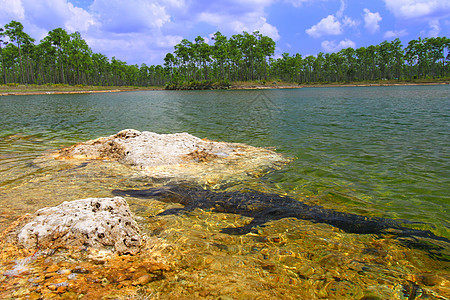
(377, 151)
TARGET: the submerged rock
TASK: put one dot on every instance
(176, 155)
(104, 223)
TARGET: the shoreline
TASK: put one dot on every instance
(56, 92)
(265, 87)
(378, 84)
(23, 92)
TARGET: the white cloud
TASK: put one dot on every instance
(267, 29)
(47, 15)
(169, 40)
(11, 10)
(332, 24)
(78, 19)
(129, 16)
(349, 22)
(395, 33)
(256, 2)
(176, 3)
(248, 19)
(261, 26)
(52, 14)
(435, 28)
(412, 9)
(132, 31)
(133, 48)
(340, 12)
(333, 46)
(297, 3)
(38, 17)
(210, 18)
(327, 26)
(371, 20)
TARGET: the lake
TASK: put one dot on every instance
(375, 151)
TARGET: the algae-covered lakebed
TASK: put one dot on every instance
(379, 152)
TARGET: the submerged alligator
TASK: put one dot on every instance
(264, 207)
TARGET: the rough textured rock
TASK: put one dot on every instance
(176, 155)
(104, 223)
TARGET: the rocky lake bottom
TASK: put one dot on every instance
(189, 254)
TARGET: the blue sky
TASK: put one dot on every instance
(142, 31)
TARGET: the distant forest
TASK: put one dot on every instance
(63, 58)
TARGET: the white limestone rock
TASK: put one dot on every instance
(103, 223)
(180, 155)
(148, 149)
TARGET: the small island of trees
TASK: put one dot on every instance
(63, 58)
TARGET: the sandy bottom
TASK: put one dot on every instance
(187, 256)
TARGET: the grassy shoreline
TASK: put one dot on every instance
(7, 90)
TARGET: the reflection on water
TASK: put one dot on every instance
(370, 151)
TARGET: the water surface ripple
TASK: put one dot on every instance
(375, 150)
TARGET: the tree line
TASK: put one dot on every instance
(247, 56)
(421, 58)
(243, 57)
(63, 58)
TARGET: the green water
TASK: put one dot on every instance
(373, 150)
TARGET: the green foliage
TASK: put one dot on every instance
(59, 85)
(242, 57)
(66, 59)
(387, 61)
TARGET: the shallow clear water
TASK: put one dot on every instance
(376, 151)
(380, 150)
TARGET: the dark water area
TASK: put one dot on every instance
(379, 152)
